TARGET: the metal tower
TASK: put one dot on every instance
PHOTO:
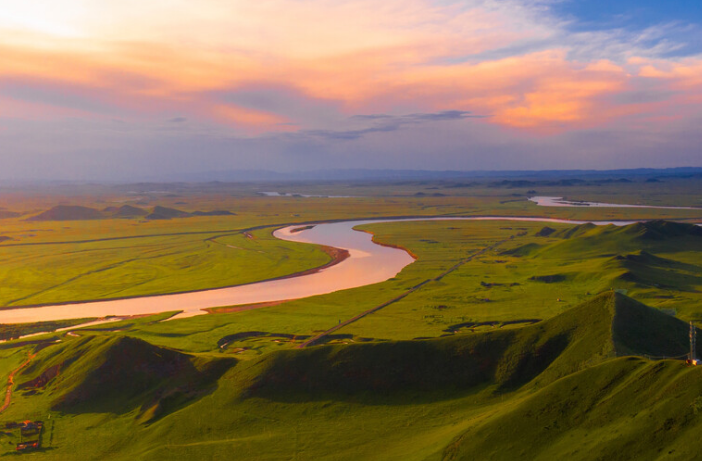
(693, 344)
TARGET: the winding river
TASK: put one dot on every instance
(367, 264)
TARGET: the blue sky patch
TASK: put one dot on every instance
(683, 19)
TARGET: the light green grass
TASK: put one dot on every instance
(99, 270)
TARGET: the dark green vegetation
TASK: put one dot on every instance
(558, 388)
(15, 330)
(67, 213)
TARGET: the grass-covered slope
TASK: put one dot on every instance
(115, 374)
(590, 240)
(644, 269)
(128, 211)
(624, 409)
(67, 213)
(549, 390)
(610, 324)
(656, 262)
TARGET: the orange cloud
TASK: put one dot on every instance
(394, 56)
(257, 120)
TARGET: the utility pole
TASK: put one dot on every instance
(693, 345)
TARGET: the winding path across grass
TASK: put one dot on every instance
(341, 325)
(11, 382)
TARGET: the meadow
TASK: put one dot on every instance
(519, 332)
(44, 262)
(556, 382)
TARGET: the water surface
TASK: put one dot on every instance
(560, 202)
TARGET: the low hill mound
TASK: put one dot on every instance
(552, 390)
(213, 213)
(647, 270)
(659, 230)
(610, 324)
(589, 240)
(553, 278)
(576, 231)
(4, 214)
(75, 213)
(128, 211)
(641, 330)
(648, 232)
(161, 212)
(67, 213)
(107, 374)
(524, 250)
(545, 231)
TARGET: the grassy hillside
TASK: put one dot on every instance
(653, 261)
(588, 240)
(609, 325)
(117, 374)
(623, 409)
(556, 388)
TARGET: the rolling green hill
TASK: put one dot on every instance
(656, 262)
(546, 391)
(590, 240)
(117, 374)
(609, 325)
(624, 409)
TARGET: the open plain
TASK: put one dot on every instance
(567, 332)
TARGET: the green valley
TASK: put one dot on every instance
(504, 339)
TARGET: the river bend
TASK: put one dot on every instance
(367, 264)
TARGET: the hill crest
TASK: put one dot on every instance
(607, 326)
(115, 374)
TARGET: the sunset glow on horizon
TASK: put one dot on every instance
(299, 84)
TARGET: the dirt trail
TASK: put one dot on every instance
(11, 382)
(341, 325)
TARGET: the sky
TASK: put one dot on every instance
(128, 90)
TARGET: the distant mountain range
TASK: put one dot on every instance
(361, 174)
(82, 213)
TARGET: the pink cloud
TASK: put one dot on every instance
(361, 56)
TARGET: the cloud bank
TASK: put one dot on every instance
(288, 84)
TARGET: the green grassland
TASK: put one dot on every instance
(538, 348)
(57, 261)
(559, 388)
(499, 289)
(52, 273)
